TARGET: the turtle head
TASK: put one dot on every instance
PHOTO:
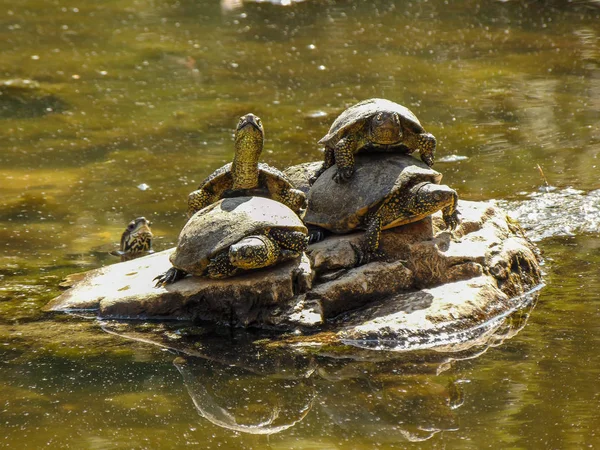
(386, 128)
(249, 134)
(137, 237)
(253, 252)
(431, 197)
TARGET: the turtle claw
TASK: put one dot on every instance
(427, 159)
(315, 235)
(343, 174)
(364, 256)
(451, 220)
(169, 277)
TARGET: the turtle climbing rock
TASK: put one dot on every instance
(245, 176)
(386, 191)
(136, 240)
(375, 123)
(234, 235)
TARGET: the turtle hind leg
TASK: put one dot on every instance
(329, 161)
(169, 277)
(221, 267)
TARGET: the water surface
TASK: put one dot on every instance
(111, 110)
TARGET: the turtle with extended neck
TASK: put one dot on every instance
(246, 176)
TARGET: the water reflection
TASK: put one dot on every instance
(250, 383)
(235, 399)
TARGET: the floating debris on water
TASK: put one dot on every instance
(317, 114)
(452, 158)
(143, 187)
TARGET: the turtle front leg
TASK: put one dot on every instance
(425, 143)
(344, 159)
(220, 267)
(289, 239)
(327, 163)
(169, 277)
(294, 199)
(369, 248)
(199, 199)
(450, 213)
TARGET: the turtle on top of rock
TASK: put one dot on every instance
(248, 215)
(235, 235)
(245, 175)
(386, 191)
(374, 123)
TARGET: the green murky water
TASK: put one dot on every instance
(131, 103)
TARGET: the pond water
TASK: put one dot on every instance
(116, 109)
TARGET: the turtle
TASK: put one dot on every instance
(136, 240)
(234, 235)
(375, 123)
(386, 191)
(245, 175)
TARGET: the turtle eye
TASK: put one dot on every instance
(131, 226)
(379, 117)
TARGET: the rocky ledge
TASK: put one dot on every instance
(432, 287)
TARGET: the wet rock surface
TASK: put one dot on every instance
(430, 286)
(550, 213)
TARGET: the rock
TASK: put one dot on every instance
(432, 286)
(126, 290)
(360, 286)
(427, 317)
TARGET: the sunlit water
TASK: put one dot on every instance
(111, 110)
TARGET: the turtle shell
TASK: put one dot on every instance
(222, 224)
(363, 111)
(221, 178)
(341, 207)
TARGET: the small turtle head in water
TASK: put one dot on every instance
(136, 240)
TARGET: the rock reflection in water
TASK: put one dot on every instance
(239, 400)
(258, 384)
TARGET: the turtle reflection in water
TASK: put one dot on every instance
(246, 176)
(136, 240)
(377, 123)
(387, 191)
(234, 235)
